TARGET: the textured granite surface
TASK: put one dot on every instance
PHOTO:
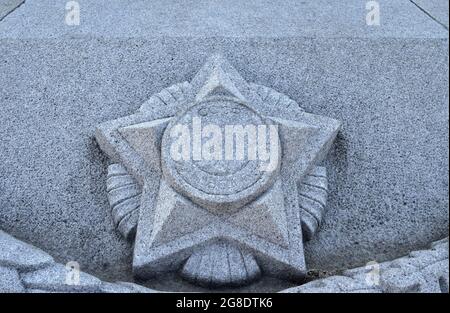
(436, 9)
(420, 271)
(225, 221)
(7, 6)
(208, 18)
(388, 171)
(424, 271)
(25, 268)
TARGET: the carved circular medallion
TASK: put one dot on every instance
(210, 153)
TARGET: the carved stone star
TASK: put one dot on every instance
(217, 221)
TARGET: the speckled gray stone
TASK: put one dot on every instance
(420, 271)
(389, 172)
(10, 280)
(40, 274)
(54, 278)
(437, 9)
(7, 6)
(424, 271)
(20, 255)
(135, 288)
(210, 18)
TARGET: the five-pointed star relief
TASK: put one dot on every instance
(174, 222)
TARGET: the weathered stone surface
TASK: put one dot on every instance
(421, 271)
(313, 193)
(124, 287)
(20, 255)
(7, 6)
(124, 195)
(55, 278)
(437, 9)
(425, 271)
(394, 191)
(388, 175)
(31, 270)
(226, 265)
(10, 280)
(243, 195)
(232, 18)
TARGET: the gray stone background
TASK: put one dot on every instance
(388, 84)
